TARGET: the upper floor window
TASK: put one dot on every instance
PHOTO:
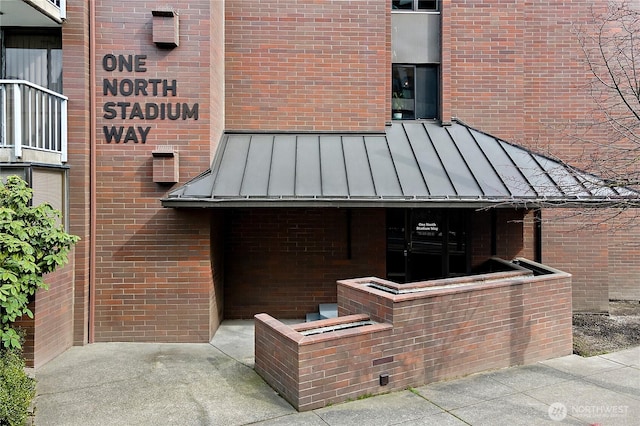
(33, 55)
(414, 92)
(414, 4)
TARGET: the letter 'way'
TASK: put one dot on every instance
(131, 135)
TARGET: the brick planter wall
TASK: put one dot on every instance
(447, 328)
(50, 332)
(313, 371)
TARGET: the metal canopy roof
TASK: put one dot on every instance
(413, 164)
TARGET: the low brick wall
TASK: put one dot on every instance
(313, 371)
(416, 334)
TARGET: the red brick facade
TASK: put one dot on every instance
(145, 273)
(307, 65)
(516, 71)
(514, 235)
(75, 40)
(624, 253)
(286, 261)
(153, 277)
(51, 331)
(297, 255)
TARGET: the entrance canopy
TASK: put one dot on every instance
(412, 164)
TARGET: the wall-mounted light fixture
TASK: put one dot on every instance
(166, 169)
(384, 379)
(166, 28)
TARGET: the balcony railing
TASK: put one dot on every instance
(32, 117)
(62, 5)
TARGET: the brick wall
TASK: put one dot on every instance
(54, 319)
(216, 296)
(50, 332)
(624, 252)
(260, 243)
(313, 371)
(514, 235)
(307, 65)
(417, 338)
(61, 313)
(280, 367)
(75, 57)
(584, 253)
(153, 278)
(286, 261)
(518, 72)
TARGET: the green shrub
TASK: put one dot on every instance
(33, 243)
(17, 390)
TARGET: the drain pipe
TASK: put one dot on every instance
(494, 232)
(537, 223)
(92, 170)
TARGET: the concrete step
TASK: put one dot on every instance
(329, 310)
(326, 310)
(313, 316)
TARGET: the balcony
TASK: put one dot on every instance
(32, 13)
(33, 123)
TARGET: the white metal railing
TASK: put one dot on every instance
(32, 117)
(62, 5)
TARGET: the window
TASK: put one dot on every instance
(414, 92)
(414, 5)
(35, 56)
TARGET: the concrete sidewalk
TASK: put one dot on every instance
(202, 384)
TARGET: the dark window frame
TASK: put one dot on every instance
(415, 95)
(48, 40)
(415, 5)
(428, 243)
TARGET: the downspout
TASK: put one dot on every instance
(537, 223)
(92, 170)
(494, 232)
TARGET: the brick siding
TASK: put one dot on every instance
(584, 253)
(514, 235)
(50, 332)
(517, 71)
(298, 65)
(260, 241)
(75, 58)
(154, 279)
(286, 261)
(307, 65)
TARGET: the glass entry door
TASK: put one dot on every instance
(426, 244)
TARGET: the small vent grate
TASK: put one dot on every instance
(331, 328)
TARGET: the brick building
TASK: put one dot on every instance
(224, 158)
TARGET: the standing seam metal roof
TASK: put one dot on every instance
(411, 164)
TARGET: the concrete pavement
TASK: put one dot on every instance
(214, 384)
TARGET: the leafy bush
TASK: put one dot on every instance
(17, 390)
(32, 243)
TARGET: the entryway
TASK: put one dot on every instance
(427, 243)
